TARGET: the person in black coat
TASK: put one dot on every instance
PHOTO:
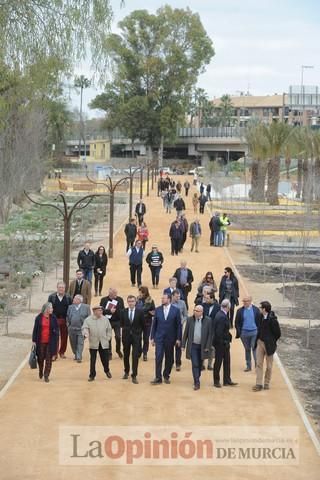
(215, 230)
(247, 322)
(179, 205)
(229, 289)
(202, 201)
(221, 339)
(45, 337)
(130, 231)
(112, 306)
(140, 211)
(210, 309)
(176, 236)
(268, 334)
(197, 337)
(184, 278)
(100, 266)
(132, 323)
(86, 261)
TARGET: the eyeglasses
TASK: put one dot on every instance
(199, 311)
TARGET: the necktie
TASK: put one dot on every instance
(131, 316)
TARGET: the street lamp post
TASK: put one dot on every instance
(67, 216)
(111, 187)
(131, 176)
(228, 158)
(141, 181)
(303, 67)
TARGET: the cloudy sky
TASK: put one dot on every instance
(260, 46)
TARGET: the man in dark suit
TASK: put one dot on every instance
(210, 308)
(221, 339)
(112, 307)
(184, 278)
(132, 323)
(166, 332)
(140, 211)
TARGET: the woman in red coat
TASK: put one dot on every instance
(45, 338)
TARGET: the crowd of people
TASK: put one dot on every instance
(202, 329)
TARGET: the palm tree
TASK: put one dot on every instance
(258, 150)
(225, 111)
(81, 82)
(277, 136)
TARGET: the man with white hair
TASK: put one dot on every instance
(184, 278)
(76, 315)
(60, 302)
(221, 339)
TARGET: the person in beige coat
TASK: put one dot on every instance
(80, 286)
(98, 330)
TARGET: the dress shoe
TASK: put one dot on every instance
(217, 385)
(40, 375)
(266, 387)
(167, 381)
(134, 380)
(125, 376)
(90, 379)
(120, 355)
(196, 387)
(46, 379)
(109, 374)
(145, 358)
(257, 388)
(133, 284)
(178, 368)
(79, 361)
(62, 355)
(229, 384)
(247, 369)
(156, 381)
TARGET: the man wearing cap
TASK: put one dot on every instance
(98, 330)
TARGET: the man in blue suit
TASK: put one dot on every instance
(166, 332)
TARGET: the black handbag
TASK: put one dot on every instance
(33, 358)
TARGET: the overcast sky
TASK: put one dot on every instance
(260, 45)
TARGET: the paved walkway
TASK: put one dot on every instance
(32, 411)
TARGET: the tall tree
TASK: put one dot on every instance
(224, 111)
(82, 83)
(159, 57)
(258, 151)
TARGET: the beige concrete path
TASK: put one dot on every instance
(32, 411)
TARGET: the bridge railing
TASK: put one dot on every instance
(225, 132)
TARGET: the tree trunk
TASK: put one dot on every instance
(258, 178)
(317, 179)
(132, 148)
(299, 178)
(160, 154)
(307, 187)
(288, 163)
(273, 181)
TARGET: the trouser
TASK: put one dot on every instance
(117, 333)
(231, 313)
(196, 362)
(168, 207)
(211, 356)
(98, 283)
(195, 242)
(44, 356)
(104, 357)
(140, 218)
(217, 239)
(164, 349)
(130, 242)
(175, 245)
(201, 208)
(87, 274)
(135, 271)
(76, 342)
(134, 341)
(222, 356)
(179, 212)
(63, 337)
(187, 191)
(249, 341)
(185, 292)
(178, 353)
(223, 236)
(261, 353)
(183, 240)
(155, 274)
(146, 336)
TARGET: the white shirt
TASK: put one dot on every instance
(166, 309)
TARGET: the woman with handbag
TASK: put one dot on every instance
(100, 267)
(45, 337)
